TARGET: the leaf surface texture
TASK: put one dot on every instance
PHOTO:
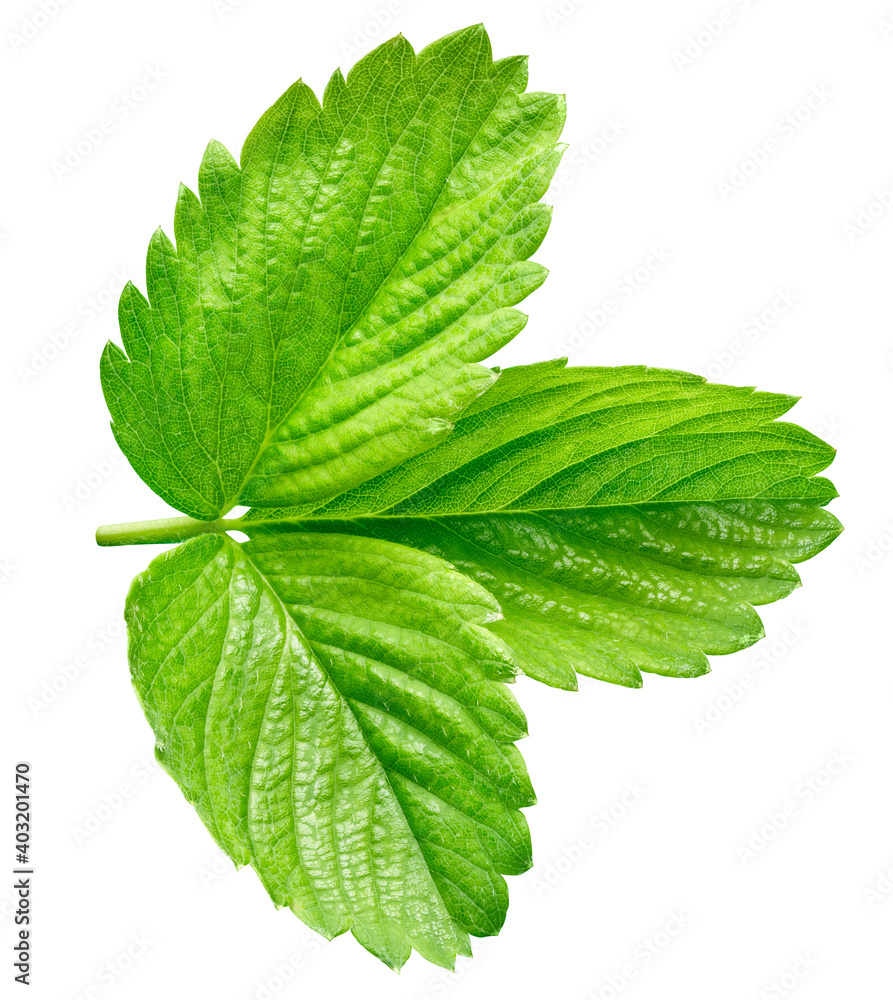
(322, 313)
(335, 710)
(331, 695)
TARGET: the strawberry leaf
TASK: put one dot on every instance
(626, 519)
(321, 315)
(331, 694)
(333, 708)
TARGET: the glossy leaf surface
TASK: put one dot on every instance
(334, 709)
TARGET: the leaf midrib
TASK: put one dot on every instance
(240, 551)
(339, 340)
(252, 519)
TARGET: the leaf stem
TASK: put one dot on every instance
(167, 529)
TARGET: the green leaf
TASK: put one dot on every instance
(610, 592)
(321, 317)
(626, 519)
(550, 437)
(331, 695)
(334, 709)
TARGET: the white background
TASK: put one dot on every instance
(821, 679)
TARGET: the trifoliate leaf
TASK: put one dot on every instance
(333, 708)
(330, 695)
(321, 315)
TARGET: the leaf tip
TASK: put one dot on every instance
(160, 242)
